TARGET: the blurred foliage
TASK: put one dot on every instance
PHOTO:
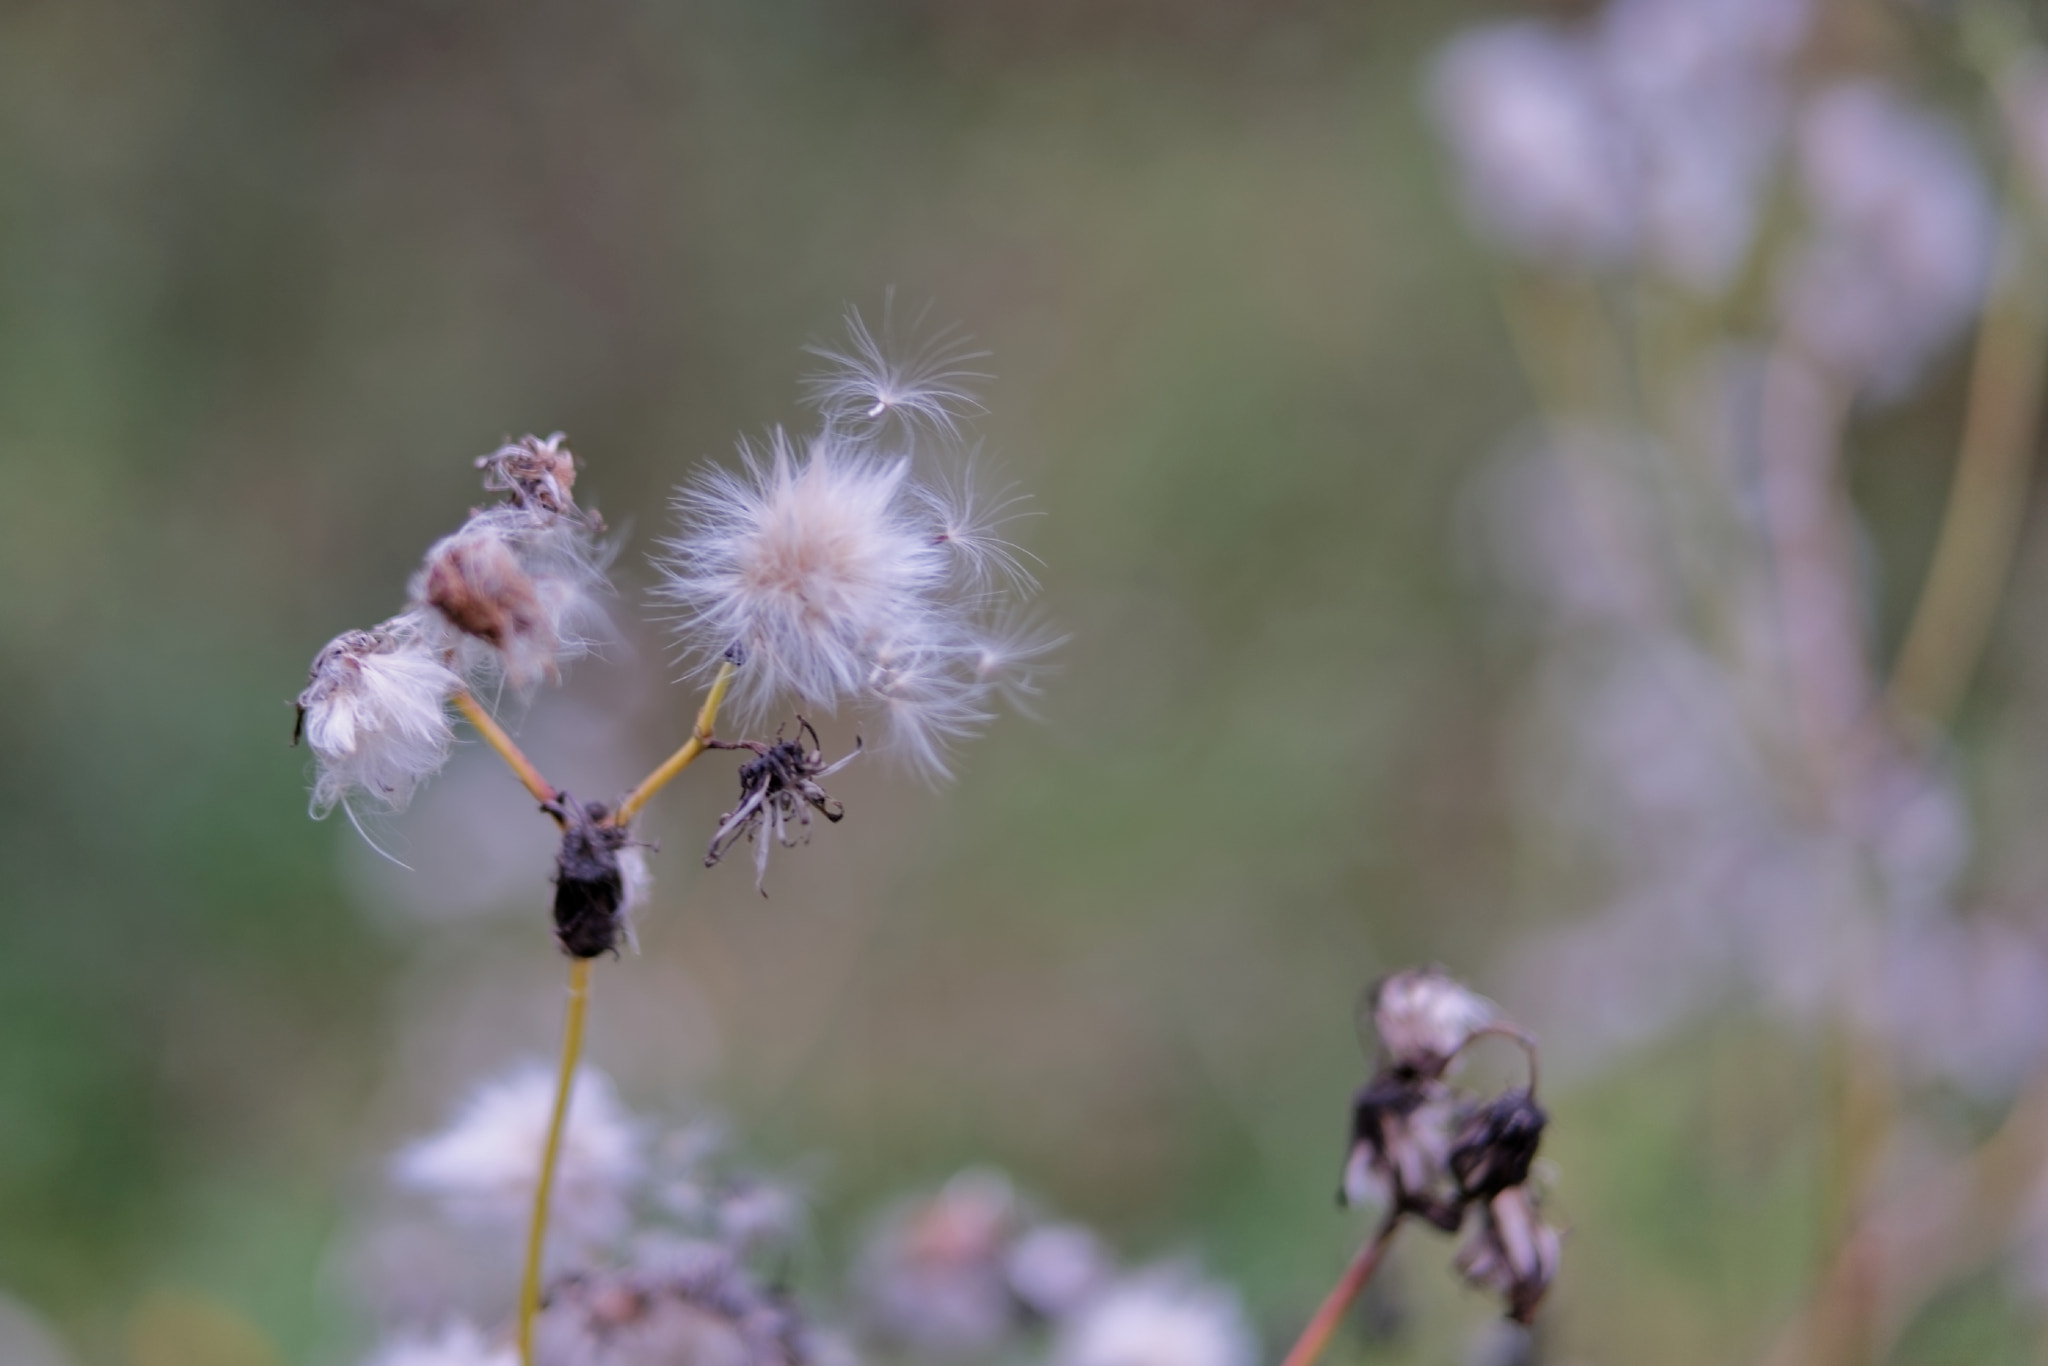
(272, 275)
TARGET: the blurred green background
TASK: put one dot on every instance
(271, 276)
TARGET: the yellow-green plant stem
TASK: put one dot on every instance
(1338, 1302)
(1981, 526)
(700, 735)
(544, 1188)
(515, 758)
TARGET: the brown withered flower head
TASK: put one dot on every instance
(539, 473)
(779, 789)
(1423, 1147)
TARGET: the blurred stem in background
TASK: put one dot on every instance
(1987, 501)
(1891, 1257)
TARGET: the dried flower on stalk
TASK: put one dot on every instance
(600, 876)
(1422, 1147)
(778, 789)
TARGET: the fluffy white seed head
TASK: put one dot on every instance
(374, 713)
(870, 385)
(833, 573)
(1167, 1316)
(483, 1166)
(459, 1344)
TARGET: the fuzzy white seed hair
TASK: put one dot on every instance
(868, 381)
(374, 713)
(459, 1344)
(1167, 1316)
(483, 1166)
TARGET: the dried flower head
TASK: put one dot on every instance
(374, 713)
(779, 789)
(827, 571)
(1496, 1144)
(1425, 1017)
(459, 1344)
(539, 474)
(1401, 1133)
(519, 587)
(484, 1165)
(1422, 1147)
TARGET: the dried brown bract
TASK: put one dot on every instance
(597, 871)
(779, 789)
(476, 582)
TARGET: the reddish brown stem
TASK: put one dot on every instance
(1342, 1296)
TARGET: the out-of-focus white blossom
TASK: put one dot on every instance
(1649, 134)
(1055, 1268)
(1900, 240)
(1544, 167)
(483, 1167)
(1701, 91)
(375, 713)
(932, 1275)
(1165, 1316)
(831, 574)
(459, 1344)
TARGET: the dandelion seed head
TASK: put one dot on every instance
(833, 574)
(1164, 1316)
(374, 713)
(483, 1166)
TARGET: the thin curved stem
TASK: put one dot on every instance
(1338, 1302)
(1986, 503)
(544, 1188)
(515, 758)
(700, 736)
